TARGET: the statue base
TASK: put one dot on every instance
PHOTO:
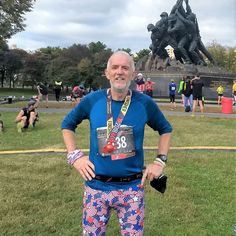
(212, 77)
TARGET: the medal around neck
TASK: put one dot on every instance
(109, 148)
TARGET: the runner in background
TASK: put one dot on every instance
(42, 92)
(180, 89)
(220, 92)
(149, 86)
(57, 89)
(140, 83)
(172, 92)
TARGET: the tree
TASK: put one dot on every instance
(13, 64)
(85, 72)
(128, 50)
(142, 53)
(91, 70)
(99, 65)
(231, 59)
(3, 49)
(12, 17)
(64, 65)
(224, 56)
(96, 47)
(218, 52)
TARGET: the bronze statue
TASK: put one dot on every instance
(179, 30)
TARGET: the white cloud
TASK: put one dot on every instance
(118, 24)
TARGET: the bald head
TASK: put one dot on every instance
(122, 54)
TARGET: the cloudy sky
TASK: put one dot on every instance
(118, 23)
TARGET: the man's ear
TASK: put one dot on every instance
(106, 73)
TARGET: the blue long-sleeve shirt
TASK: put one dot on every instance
(142, 110)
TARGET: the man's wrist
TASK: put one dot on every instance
(161, 158)
(74, 156)
(158, 163)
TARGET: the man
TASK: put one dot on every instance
(172, 91)
(234, 91)
(113, 170)
(140, 83)
(197, 86)
(220, 91)
(149, 87)
(42, 91)
(57, 88)
(27, 116)
(188, 94)
(180, 89)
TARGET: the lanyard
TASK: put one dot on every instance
(112, 131)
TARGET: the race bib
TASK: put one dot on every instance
(124, 146)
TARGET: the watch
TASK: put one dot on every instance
(162, 157)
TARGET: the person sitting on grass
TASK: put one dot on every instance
(1, 125)
(27, 116)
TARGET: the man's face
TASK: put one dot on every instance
(140, 77)
(120, 72)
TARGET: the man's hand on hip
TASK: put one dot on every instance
(85, 167)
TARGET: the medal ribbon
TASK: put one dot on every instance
(112, 131)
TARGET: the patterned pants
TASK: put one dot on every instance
(128, 204)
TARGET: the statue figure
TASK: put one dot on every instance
(200, 46)
(160, 39)
(179, 30)
(176, 29)
(191, 28)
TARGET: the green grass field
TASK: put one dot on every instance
(17, 92)
(41, 195)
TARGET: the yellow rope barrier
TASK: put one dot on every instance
(226, 148)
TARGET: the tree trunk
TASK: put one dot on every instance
(10, 80)
(2, 77)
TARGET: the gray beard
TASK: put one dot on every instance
(121, 90)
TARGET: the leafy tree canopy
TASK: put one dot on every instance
(12, 17)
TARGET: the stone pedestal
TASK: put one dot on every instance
(211, 75)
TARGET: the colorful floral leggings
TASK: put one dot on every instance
(128, 204)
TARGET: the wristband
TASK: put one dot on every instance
(73, 156)
(159, 161)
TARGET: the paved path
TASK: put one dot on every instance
(172, 113)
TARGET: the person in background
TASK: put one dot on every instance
(27, 116)
(57, 88)
(180, 89)
(77, 94)
(114, 169)
(220, 91)
(42, 91)
(197, 85)
(234, 92)
(149, 86)
(1, 125)
(188, 95)
(140, 83)
(172, 91)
